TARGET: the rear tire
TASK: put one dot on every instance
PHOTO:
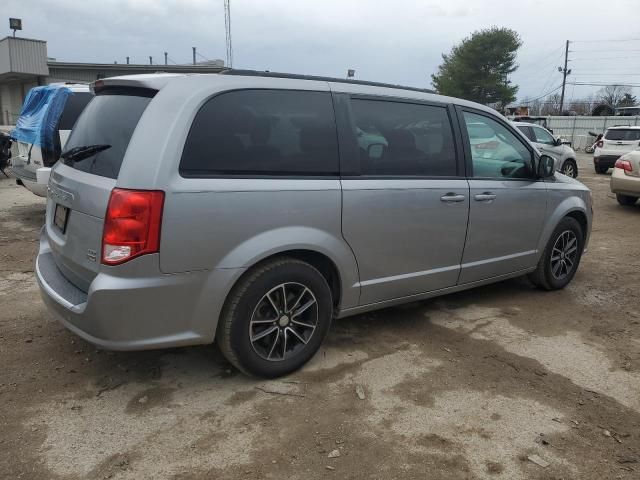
(601, 170)
(275, 318)
(560, 259)
(626, 200)
(570, 168)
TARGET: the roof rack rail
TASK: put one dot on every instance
(257, 73)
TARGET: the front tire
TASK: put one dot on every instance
(276, 318)
(626, 200)
(570, 168)
(561, 257)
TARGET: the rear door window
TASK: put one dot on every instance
(107, 120)
(74, 106)
(621, 135)
(527, 131)
(404, 139)
(263, 132)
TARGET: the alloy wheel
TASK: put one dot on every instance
(564, 254)
(283, 321)
(569, 170)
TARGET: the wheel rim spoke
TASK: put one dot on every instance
(273, 303)
(302, 324)
(301, 338)
(284, 298)
(275, 342)
(303, 308)
(297, 302)
(284, 347)
(264, 333)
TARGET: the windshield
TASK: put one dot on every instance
(107, 120)
(623, 134)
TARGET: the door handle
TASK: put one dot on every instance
(485, 197)
(453, 198)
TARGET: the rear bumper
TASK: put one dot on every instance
(625, 184)
(605, 160)
(136, 312)
(34, 179)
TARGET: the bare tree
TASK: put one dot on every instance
(551, 105)
(612, 95)
(583, 106)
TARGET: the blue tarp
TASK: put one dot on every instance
(39, 116)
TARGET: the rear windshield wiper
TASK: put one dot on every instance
(78, 153)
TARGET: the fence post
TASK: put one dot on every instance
(636, 120)
(573, 131)
(604, 126)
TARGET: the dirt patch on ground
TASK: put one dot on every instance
(468, 386)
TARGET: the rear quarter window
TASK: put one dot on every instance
(620, 134)
(263, 132)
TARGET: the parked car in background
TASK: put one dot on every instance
(258, 214)
(545, 142)
(625, 180)
(616, 142)
(542, 121)
(42, 129)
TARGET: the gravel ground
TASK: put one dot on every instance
(468, 386)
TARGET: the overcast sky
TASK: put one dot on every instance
(398, 41)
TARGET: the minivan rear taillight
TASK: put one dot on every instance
(131, 225)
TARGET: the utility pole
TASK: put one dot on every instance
(150, 60)
(564, 72)
(227, 28)
(194, 55)
(165, 58)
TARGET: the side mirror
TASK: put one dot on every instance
(558, 142)
(545, 166)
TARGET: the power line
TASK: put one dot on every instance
(612, 74)
(544, 95)
(607, 84)
(608, 51)
(601, 58)
(611, 40)
(544, 58)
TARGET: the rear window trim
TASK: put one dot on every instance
(195, 174)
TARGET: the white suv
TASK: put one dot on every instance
(32, 164)
(616, 142)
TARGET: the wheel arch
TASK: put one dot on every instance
(574, 207)
(323, 250)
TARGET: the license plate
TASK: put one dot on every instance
(60, 217)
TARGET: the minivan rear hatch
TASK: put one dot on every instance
(81, 183)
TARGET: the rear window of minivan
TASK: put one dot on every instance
(109, 119)
(623, 134)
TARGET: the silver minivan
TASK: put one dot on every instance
(253, 208)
